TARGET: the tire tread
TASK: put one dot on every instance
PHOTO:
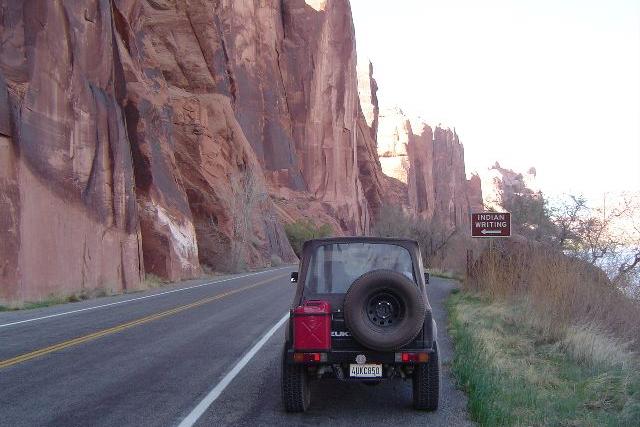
(295, 392)
(426, 384)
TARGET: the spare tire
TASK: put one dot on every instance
(384, 310)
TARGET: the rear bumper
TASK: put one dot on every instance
(333, 357)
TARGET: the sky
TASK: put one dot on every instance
(553, 84)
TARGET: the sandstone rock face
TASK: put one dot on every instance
(68, 205)
(405, 147)
(393, 138)
(420, 183)
(320, 45)
(368, 94)
(114, 162)
(431, 164)
(200, 183)
(375, 183)
(161, 136)
(450, 182)
(291, 79)
(474, 193)
(500, 184)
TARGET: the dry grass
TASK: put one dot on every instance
(562, 295)
(544, 339)
(517, 376)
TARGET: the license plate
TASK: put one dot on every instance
(365, 371)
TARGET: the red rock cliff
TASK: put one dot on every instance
(153, 136)
(115, 162)
(67, 200)
(430, 164)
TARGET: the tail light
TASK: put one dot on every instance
(412, 357)
(309, 357)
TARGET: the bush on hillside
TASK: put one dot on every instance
(305, 229)
(393, 221)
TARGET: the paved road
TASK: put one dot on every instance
(150, 359)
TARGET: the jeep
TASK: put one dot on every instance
(360, 313)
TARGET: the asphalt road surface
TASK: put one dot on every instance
(201, 353)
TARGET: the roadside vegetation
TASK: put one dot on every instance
(517, 372)
(393, 221)
(547, 325)
(445, 274)
(546, 329)
(305, 229)
(55, 300)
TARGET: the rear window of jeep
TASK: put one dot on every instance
(333, 267)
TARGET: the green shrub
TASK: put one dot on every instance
(276, 261)
(302, 230)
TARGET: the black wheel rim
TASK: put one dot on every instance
(384, 309)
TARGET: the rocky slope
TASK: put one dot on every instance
(162, 136)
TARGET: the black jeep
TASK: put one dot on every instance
(360, 313)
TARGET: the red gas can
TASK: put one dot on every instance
(312, 326)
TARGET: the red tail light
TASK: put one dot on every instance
(420, 357)
(309, 357)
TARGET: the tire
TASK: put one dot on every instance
(296, 394)
(375, 294)
(426, 383)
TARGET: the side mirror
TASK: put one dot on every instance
(426, 278)
(294, 277)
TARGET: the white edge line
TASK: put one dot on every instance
(215, 392)
(140, 298)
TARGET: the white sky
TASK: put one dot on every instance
(553, 84)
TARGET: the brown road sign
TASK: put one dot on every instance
(491, 224)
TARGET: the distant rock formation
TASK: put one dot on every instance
(500, 184)
(431, 164)
(379, 188)
(474, 193)
(368, 95)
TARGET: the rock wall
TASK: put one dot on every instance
(68, 206)
(368, 95)
(420, 185)
(319, 44)
(474, 193)
(288, 68)
(195, 89)
(375, 184)
(114, 163)
(394, 130)
(430, 162)
(162, 136)
(452, 207)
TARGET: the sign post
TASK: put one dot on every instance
(491, 225)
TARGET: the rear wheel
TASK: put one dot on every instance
(296, 394)
(426, 383)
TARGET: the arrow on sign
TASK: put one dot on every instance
(491, 231)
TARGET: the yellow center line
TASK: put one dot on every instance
(99, 334)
